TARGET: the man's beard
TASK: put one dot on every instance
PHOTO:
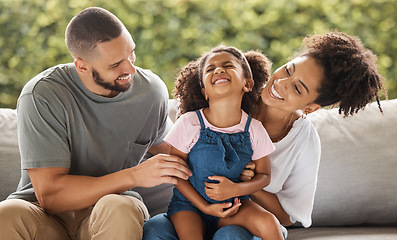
(107, 85)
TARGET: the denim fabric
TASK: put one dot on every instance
(160, 228)
(215, 153)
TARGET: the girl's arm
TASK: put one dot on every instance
(226, 189)
(186, 188)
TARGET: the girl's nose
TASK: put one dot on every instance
(219, 70)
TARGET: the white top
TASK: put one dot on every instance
(294, 168)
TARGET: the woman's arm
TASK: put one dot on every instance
(186, 188)
(226, 189)
(268, 201)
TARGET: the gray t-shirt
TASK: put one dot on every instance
(63, 124)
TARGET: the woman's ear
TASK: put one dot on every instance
(204, 93)
(249, 84)
(311, 108)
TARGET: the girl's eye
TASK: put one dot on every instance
(209, 70)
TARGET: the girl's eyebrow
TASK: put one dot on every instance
(212, 65)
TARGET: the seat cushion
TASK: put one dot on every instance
(343, 233)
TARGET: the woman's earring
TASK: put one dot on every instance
(304, 114)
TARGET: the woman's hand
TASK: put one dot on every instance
(223, 210)
(248, 173)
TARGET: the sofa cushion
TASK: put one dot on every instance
(357, 176)
(9, 153)
(345, 233)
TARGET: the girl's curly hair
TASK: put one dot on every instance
(188, 84)
(350, 75)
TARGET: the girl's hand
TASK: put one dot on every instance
(248, 172)
(223, 190)
(223, 210)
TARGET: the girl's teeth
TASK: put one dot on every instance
(220, 81)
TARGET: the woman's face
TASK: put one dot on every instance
(294, 86)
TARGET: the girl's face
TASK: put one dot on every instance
(223, 75)
(294, 86)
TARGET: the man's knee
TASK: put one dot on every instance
(123, 213)
(15, 210)
(118, 206)
(21, 219)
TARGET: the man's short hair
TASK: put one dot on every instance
(88, 28)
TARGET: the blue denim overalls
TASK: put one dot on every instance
(215, 153)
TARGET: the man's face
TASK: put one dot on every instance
(113, 66)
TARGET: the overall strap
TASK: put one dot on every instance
(200, 119)
(247, 125)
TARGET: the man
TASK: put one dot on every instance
(83, 129)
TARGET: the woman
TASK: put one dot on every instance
(333, 68)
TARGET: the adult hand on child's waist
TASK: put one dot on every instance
(161, 168)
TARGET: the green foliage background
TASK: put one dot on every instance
(170, 33)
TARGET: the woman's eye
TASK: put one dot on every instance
(297, 89)
(287, 71)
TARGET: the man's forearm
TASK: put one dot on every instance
(62, 192)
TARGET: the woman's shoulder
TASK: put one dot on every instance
(302, 133)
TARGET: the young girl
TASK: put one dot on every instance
(217, 138)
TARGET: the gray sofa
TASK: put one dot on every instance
(356, 195)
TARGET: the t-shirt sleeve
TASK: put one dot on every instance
(261, 142)
(297, 195)
(42, 133)
(184, 133)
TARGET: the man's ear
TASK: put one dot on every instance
(249, 84)
(311, 108)
(81, 65)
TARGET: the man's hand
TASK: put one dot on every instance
(248, 173)
(162, 168)
(222, 190)
(223, 210)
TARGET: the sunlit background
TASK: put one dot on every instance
(170, 33)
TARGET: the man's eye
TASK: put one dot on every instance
(115, 65)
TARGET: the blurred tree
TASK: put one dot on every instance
(169, 33)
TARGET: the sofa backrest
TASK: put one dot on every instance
(9, 153)
(357, 181)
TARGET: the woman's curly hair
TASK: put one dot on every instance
(350, 75)
(188, 84)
